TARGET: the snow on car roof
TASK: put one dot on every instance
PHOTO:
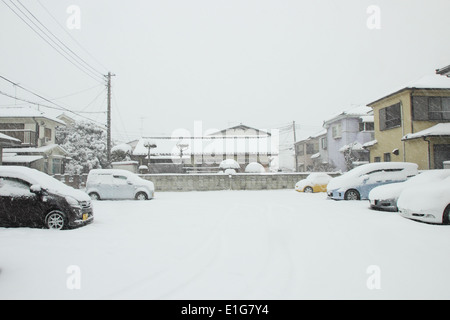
(382, 165)
(36, 177)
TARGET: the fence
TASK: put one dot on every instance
(207, 182)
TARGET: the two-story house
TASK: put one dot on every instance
(311, 153)
(36, 132)
(412, 124)
(204, 152)
(346, 134)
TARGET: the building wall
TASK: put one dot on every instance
(415, 151)
(350, 133)
(31, 125)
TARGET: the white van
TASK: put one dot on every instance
(103, 184)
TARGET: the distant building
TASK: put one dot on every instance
(204, 153)
(346, 133)
(36, 132)
(311, 153)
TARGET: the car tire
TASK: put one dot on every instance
(352, 194)
(94, 196)
(446, 215)
(308, 190)
(55, 220)
(141, 196)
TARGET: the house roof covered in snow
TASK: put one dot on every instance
(16, 159)
(439, 130)
(445, 71)
(27, 112)
(429, 82)
(37, 150)
(240, 128)
(356, 112)
(6, 140)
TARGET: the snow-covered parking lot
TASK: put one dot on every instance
(230, 245)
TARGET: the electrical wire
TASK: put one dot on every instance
(74, 40)
(61, 50)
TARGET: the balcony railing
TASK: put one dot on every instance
(27, 137)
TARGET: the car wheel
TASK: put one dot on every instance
(55, 220)
(352, 195)
(141, 196)
(94, 196)
(446, 216)
(308, 190)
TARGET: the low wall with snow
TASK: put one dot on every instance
(207, 182)
(240, 181)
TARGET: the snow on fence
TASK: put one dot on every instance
(208, 182)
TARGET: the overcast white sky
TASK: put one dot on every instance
(264, 63)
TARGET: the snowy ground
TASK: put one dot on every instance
(230, 245)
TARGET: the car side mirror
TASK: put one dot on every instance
(35, 188)
(365, 178)
(129, 182)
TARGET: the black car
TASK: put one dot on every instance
(30, 198)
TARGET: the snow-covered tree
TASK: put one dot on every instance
(86, 144)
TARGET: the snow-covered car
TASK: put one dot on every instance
(385, 197)
(31, 198)
(315, 182)
(429, 202)
(358, 182)
(117, 184)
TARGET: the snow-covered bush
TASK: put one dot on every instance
(86, 144)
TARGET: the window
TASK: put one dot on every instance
(377, 159)
(300, 149)
(431, 108)
(312, 148)
(120, 179)
(323, 142)
(366, 126)
(12, 187)
(387, 157)
(48, 133)
(336, 131)
(390, 117)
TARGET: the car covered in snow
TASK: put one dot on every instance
(117, 184)
(315, 182)
(429, 202)
(358, 182)
(31, 198)
(385, 197)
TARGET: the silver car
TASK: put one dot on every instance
(112, 184)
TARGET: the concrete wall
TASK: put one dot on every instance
(207, 182)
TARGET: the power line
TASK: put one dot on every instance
(55, 105)
(68, 33)
(46, 106)
(62, 43)
(64, 53)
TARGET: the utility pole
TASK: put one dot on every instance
(295, 151)
(108, 118)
